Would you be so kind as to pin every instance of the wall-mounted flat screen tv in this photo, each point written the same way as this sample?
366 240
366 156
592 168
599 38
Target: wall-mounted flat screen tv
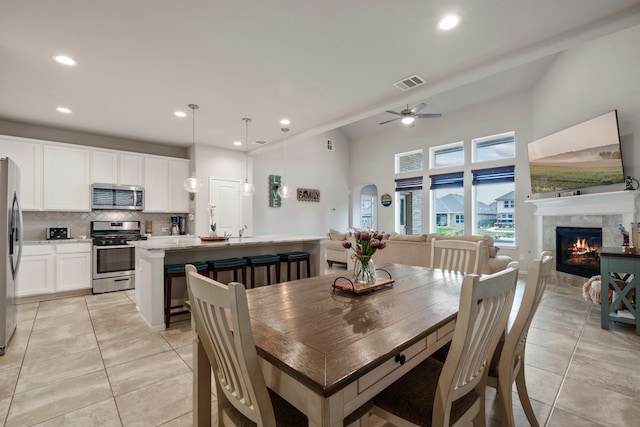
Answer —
585 155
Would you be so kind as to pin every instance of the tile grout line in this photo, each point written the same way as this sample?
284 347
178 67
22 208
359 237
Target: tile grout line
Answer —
564 376
24 355
104 367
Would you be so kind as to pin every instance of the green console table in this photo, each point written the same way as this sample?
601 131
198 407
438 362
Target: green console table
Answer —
620 273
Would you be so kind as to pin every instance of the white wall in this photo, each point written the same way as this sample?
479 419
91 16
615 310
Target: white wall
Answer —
210 161
309 165
589 81
506 114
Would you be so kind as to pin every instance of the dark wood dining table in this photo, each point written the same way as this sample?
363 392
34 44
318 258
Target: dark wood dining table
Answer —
328 352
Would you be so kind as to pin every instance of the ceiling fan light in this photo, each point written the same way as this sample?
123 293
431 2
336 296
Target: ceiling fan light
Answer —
407 120
247 188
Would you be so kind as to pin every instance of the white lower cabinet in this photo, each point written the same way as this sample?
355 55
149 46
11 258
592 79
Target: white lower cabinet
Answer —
73 266
55 267
36 273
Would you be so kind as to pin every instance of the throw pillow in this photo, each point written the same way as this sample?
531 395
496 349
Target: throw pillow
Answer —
337 235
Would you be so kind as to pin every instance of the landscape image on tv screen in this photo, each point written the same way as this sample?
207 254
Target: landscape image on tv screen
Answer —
584 155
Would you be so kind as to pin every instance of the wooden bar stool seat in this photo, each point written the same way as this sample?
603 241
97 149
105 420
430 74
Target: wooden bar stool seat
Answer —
172 271
229 264
297 257
263 261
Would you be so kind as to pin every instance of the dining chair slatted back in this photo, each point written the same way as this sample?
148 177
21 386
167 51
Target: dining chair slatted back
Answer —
508 360
484 311
455 255
453 393
222 323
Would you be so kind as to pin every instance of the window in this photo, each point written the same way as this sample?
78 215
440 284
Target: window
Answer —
494 147
409 213
447 203
409 162
367 207
494 206
444 156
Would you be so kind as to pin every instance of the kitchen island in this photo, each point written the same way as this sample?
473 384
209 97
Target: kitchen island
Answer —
153 254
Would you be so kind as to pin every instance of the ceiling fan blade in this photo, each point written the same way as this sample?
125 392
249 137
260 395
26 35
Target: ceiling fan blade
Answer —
418 107
429 116
392 120
393 112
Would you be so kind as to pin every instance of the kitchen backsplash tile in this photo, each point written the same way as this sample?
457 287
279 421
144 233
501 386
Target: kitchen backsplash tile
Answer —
35 223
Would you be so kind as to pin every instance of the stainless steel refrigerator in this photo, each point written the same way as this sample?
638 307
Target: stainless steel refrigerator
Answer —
10 247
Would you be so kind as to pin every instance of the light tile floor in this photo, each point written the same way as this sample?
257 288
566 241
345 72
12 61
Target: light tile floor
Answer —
91 360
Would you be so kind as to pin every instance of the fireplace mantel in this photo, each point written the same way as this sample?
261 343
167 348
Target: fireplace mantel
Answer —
614 202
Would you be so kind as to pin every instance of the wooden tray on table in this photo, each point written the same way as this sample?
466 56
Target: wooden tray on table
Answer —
350 286
214 239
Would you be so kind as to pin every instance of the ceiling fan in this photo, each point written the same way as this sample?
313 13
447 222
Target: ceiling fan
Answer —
408 116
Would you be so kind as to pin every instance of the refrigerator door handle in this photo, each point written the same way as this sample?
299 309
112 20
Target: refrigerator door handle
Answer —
16 208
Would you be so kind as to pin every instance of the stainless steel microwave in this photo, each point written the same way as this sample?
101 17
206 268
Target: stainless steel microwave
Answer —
124 197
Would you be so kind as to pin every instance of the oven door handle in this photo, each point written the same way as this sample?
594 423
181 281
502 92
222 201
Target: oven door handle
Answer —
126 279
99 247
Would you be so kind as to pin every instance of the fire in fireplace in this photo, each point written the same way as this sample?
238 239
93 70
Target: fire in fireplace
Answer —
577 250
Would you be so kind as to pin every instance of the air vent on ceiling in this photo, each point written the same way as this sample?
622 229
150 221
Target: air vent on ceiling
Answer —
260 142
410 82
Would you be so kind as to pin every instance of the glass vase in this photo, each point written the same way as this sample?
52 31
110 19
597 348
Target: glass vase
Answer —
364 271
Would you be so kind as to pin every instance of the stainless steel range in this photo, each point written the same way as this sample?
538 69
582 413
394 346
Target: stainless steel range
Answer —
113 259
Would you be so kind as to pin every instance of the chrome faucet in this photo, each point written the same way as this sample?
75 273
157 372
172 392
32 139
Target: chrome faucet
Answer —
241 231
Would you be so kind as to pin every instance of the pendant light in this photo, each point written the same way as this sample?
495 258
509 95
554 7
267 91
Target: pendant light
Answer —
247 188
284 191
193 184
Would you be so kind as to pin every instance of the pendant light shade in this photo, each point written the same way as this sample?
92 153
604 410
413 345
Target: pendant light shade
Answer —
193 184
247 188
284 191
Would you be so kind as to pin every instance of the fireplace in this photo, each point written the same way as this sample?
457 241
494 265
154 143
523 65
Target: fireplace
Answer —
577 250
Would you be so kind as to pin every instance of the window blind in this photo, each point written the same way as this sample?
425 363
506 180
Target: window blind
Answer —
493 175
447 180
409 184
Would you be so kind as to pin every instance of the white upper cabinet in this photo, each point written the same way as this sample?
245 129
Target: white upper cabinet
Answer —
178 196
28 157
156 184
104 167
163 185
111 167
67 179
130 169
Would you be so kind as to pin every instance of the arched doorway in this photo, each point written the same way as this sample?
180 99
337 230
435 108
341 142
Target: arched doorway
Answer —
368 217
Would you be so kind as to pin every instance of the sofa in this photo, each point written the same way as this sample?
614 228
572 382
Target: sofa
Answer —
412 250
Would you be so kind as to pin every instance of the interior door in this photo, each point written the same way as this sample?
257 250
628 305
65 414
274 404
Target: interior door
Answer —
224 194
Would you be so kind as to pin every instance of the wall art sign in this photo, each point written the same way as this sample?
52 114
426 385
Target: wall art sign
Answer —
274 199
308 195
385 199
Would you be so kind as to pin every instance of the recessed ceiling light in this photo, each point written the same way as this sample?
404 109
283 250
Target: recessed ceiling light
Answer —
64 110
237 143
65 60
180 114
448 22
285 121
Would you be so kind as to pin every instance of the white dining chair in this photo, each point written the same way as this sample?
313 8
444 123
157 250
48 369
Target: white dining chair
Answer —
453 393
222 324
455 255
507 364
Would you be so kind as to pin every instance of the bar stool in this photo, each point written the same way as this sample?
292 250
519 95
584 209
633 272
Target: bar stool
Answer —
172 271
296 257
229 264
263 261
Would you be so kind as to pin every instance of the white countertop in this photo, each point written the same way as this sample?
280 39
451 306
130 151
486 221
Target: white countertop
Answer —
191 242
56 241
